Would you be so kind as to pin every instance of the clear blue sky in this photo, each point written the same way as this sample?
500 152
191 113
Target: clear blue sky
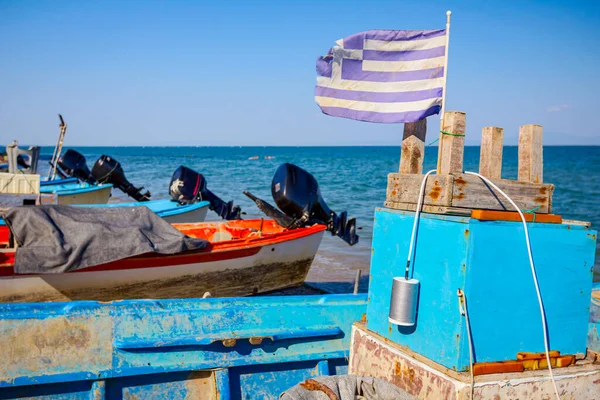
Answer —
243 72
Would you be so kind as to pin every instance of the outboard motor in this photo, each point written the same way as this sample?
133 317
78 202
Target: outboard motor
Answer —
108 170
73 164
187 187
296 193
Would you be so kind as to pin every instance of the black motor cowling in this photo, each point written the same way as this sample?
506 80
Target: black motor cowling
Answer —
187 187
108 170
296 193
73 164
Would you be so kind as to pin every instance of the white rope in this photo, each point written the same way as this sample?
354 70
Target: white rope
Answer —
533 274
416 220
463 300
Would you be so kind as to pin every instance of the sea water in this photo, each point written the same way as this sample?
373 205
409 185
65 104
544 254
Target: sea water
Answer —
350 178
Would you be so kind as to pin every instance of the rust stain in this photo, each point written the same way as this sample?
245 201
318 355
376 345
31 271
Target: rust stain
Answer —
467 232
416 160
394 193
592 236
541 200
435 193
312 385
460 181
363 318
460 196
397 368
543 190
256 340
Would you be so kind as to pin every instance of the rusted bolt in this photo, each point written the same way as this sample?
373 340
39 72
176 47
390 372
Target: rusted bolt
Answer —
256 340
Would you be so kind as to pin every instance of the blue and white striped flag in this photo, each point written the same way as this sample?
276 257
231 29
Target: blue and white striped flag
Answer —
383 76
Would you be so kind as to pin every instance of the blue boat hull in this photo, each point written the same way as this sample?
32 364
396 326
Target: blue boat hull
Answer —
169 210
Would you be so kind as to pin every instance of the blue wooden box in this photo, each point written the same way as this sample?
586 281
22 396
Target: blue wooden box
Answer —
488 260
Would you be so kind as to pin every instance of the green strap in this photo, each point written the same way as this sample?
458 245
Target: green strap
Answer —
532 211
452 134
446 133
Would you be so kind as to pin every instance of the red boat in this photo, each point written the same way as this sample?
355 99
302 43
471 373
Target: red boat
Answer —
243 258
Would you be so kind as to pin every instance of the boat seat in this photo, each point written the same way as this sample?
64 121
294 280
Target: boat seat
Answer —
221 236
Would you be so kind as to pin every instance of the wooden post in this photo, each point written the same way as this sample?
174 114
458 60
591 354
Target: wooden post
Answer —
413 147
452 143
490 156
531 157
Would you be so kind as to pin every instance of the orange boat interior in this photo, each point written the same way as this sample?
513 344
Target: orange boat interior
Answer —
243 233
231 230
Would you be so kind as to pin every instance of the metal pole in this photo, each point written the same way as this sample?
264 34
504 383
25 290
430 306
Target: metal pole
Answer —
443 109
57 148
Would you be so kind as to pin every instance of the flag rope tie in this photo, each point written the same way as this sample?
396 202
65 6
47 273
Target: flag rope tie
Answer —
532 211
446 133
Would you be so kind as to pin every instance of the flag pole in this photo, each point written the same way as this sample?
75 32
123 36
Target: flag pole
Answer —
441 141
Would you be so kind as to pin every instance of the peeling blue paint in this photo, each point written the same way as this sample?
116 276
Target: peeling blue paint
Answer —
148 348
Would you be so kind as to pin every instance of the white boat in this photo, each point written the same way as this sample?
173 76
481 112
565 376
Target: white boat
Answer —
243 258
77 193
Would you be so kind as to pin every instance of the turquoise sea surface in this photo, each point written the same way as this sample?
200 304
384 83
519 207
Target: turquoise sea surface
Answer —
350 178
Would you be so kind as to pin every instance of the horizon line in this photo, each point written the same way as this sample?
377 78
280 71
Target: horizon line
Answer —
293 146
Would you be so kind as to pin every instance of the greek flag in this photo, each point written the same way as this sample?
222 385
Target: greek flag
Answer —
383 76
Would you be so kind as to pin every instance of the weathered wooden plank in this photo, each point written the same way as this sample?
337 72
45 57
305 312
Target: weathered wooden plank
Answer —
413 147
577 223
490 156
463 191
452 143
428 209
404 188
531 156
470 191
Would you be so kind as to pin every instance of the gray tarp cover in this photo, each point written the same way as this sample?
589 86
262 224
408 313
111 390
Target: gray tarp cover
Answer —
56 239
349 387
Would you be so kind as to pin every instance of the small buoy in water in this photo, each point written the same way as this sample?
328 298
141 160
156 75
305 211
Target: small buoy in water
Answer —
253 158
403 302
